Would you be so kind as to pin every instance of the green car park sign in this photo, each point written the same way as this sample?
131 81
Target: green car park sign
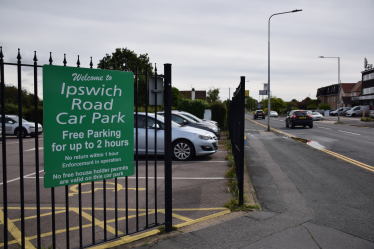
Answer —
88 125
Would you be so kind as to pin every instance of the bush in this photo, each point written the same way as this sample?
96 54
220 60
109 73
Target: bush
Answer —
196 107
219 114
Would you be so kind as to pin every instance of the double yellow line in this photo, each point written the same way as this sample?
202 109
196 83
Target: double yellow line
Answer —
344 158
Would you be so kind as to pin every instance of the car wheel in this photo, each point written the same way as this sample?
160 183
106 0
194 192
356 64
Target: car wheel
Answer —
354 115
311 126
24 133
292 125
287 125
304 126
183 150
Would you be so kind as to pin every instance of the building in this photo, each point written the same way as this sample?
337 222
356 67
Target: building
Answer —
367 97
330 94
193 94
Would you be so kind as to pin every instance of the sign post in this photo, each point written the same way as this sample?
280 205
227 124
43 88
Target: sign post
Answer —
88 125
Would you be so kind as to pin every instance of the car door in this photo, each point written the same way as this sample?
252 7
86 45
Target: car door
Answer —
151 135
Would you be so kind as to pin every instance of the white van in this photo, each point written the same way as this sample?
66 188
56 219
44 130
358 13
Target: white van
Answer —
340 111
358 111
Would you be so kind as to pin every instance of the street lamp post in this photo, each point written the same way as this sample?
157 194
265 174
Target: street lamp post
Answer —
340 86
269 61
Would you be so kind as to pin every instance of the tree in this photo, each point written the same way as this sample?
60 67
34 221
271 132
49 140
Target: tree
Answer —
174 96
250 103
125 59
324 106
292 105
276 104
213 95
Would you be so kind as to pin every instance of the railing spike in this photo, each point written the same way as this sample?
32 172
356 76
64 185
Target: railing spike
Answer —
50 58
35 58
1 53
103 64
78 62
91 64
65 60
19 55
115 66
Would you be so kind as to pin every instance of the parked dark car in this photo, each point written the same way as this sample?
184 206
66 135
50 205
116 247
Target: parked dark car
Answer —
259 114
299 118
184 120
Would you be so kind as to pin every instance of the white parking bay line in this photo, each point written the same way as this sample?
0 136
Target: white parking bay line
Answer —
40 148
324 128
26 176
351 133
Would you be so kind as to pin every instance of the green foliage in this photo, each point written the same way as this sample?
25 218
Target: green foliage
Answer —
367 119
134 63
196 107
276 104
219 114
324 106
11 104
251 103
213 95
174 96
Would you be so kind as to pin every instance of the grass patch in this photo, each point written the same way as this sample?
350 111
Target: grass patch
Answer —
233 202
341 122
367 119
161 229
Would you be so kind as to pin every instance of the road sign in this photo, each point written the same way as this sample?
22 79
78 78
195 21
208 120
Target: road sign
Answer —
88 124
246 94
153 91
263 92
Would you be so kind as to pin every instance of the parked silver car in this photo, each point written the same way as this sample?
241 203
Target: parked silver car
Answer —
193 117
28 128
187 142
317 116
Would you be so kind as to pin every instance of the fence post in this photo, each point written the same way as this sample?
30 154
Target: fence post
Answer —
168 150
241 140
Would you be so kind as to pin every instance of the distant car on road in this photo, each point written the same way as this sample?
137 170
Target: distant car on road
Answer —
317 116
341 111
371 114
273 114
299 117
187 142
259 114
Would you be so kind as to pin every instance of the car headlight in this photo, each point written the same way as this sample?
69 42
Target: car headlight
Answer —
205 137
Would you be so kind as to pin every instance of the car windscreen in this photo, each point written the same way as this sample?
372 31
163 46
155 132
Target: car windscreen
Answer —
192 117
259 112
315 113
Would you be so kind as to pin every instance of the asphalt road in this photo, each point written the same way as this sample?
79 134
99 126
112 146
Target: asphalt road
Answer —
309 199
351 141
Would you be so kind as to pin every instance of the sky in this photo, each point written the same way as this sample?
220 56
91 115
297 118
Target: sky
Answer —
209 43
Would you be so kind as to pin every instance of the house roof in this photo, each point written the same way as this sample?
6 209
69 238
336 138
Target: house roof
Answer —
357 87
346 87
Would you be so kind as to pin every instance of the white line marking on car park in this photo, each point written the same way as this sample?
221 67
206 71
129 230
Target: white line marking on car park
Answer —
25 141
247 147
324 128
40 148
350 133
26 176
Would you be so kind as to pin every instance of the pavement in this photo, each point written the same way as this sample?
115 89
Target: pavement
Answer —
291 215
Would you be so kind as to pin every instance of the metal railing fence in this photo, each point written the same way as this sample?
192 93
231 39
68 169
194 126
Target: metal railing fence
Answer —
236 131
57 231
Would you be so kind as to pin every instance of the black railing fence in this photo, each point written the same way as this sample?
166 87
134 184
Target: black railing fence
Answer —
80 215
236 130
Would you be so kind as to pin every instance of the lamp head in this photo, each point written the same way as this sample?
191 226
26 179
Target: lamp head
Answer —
296 10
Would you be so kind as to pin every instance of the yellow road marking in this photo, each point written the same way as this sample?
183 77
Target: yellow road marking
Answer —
350 160
128 239
178 216
357 163
75 190
98 222
15 232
